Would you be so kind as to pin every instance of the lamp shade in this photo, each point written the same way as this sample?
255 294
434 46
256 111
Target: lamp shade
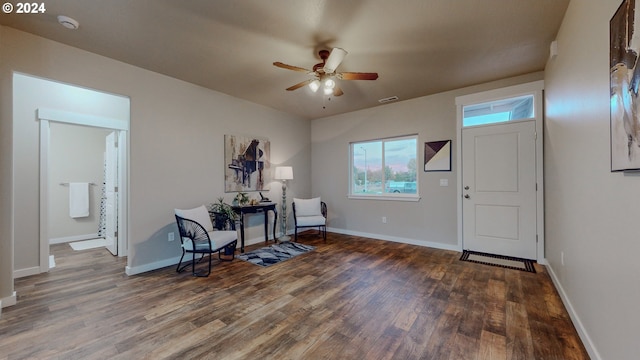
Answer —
284 173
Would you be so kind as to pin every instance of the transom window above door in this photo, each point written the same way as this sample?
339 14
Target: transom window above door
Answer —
510 109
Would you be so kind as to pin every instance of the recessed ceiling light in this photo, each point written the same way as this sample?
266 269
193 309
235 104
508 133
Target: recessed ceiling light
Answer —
68 22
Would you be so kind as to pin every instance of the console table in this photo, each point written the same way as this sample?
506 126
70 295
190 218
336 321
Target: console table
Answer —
256 209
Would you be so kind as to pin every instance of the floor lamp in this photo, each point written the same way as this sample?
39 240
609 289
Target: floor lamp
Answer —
284 173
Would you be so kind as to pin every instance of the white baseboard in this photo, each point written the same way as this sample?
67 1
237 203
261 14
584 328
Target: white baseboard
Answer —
134 270
582 332
8 301
67 239
26 272
260 239
430 244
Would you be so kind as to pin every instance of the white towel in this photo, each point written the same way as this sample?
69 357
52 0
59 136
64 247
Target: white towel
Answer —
78 200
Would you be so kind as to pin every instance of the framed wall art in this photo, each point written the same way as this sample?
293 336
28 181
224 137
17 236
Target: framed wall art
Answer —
246 163
437 155
624 82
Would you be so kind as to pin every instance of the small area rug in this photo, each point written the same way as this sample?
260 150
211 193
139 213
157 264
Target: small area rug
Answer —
498 260
88 244
276 253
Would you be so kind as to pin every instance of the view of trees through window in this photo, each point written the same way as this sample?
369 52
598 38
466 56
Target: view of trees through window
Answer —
386 166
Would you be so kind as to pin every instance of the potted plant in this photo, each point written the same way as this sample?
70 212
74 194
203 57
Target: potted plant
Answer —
242 198
223 215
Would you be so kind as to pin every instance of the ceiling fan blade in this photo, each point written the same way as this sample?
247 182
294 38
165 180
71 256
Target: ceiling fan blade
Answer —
299 85
337 91
335 58
357 76
291 67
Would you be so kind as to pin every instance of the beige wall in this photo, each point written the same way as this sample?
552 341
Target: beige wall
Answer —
430 222
6 179
76 154
591 213
176 141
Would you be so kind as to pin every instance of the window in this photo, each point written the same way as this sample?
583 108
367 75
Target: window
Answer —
385 168
515 108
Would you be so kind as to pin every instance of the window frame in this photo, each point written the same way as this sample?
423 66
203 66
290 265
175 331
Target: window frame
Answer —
383 195
480 104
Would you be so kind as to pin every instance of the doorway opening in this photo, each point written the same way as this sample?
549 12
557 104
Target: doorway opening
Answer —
38 104
114 181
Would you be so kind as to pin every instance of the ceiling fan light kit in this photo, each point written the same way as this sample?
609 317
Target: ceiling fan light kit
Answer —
324 73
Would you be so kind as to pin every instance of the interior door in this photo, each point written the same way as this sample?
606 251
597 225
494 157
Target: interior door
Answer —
499 189
111 192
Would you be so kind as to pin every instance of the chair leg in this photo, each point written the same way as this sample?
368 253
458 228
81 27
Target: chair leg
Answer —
295 237
180 262
193 265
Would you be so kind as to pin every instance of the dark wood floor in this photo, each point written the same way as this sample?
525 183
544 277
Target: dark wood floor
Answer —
351 298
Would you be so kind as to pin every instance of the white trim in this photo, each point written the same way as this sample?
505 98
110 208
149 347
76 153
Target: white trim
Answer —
498 94
413 198
8 301
582 331
430 244
82 119
68 239
123 193
129 270
45 134
19 273
45 115
536 88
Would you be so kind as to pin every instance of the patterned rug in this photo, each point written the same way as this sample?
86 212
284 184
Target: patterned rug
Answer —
498 260
276 253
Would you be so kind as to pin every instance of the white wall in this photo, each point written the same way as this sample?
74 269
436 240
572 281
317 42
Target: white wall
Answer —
430 222
591 214
76 154
6 179
176 142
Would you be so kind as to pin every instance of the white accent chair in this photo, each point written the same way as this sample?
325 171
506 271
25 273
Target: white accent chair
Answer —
198 236
310 213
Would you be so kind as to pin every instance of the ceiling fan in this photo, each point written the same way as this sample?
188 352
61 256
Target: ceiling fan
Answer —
324 73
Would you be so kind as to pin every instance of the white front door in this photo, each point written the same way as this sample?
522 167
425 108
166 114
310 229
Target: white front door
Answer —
111 192
499 189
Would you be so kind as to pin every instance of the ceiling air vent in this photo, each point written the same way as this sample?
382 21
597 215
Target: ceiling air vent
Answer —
389 99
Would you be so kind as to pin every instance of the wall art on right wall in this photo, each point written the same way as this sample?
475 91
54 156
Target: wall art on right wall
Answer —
624 83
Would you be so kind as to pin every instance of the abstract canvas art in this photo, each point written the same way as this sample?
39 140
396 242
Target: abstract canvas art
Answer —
624 86
437 155
246 161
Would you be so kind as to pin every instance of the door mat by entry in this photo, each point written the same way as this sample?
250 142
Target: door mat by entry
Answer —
498 260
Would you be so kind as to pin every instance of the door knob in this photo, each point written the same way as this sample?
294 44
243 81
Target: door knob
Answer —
466 196
466 187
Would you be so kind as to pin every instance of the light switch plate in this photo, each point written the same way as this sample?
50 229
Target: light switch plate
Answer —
444 182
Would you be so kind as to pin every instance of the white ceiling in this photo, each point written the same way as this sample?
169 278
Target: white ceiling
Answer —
418 47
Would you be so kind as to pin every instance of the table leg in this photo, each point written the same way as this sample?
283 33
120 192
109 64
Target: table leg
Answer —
241 232
266 227
275 223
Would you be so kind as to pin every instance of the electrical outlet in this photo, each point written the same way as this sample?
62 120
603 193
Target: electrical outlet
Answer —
171 236
562 258
384 219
